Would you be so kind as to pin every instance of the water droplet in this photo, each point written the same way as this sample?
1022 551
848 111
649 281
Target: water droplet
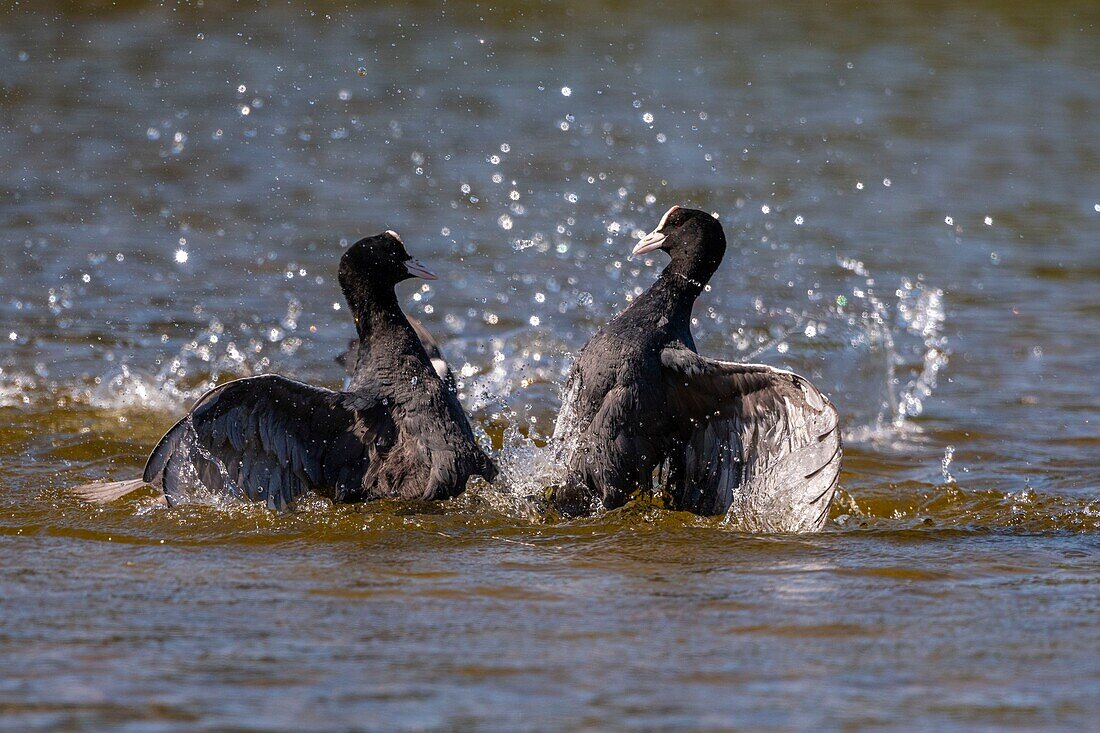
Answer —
948 221
945 464
566 91
181 256
361 71
647 118
505 222
989 221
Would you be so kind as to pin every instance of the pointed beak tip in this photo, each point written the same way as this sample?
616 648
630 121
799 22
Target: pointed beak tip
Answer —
418 270
649 243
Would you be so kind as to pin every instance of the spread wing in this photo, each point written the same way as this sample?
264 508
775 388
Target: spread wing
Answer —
272 439
761 441
435 353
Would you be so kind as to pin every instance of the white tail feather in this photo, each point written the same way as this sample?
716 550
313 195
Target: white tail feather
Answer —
104 492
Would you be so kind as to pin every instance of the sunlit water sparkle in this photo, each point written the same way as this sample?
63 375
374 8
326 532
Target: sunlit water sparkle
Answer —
912 221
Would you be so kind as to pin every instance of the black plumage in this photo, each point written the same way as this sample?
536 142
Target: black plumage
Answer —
639 398
348 358
397 431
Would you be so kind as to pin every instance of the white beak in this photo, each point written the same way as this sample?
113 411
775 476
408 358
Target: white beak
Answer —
418 270
654 239
649 243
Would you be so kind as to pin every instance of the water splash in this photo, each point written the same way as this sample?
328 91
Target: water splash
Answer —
213 356
945 464
889 349
15 388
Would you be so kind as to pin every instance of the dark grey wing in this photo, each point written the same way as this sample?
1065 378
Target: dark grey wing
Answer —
761 441
272 439
435 353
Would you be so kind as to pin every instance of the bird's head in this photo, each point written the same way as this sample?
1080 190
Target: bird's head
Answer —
693 239
379 261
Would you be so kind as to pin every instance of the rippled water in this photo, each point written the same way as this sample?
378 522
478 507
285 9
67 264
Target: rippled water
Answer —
910 193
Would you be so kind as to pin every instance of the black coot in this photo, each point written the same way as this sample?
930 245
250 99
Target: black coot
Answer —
397 431
752 437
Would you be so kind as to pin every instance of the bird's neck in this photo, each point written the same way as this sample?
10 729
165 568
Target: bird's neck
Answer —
377 313
672 296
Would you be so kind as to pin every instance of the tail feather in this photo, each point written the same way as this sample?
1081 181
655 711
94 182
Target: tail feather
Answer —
104 492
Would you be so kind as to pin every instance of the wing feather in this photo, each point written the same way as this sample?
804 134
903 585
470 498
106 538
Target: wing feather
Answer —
762 444
271 439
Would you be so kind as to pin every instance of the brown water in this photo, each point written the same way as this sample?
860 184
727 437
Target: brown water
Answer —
912 195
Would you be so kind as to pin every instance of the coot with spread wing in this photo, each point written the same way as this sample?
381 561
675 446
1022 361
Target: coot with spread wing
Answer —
761 441
397 431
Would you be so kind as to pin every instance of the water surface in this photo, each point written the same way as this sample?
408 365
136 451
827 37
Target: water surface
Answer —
910 191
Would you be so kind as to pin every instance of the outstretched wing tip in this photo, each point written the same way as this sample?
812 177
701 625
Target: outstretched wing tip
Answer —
783 431
268 439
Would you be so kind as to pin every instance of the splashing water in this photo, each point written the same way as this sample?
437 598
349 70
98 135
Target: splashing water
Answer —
945 464
892 353
211 357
